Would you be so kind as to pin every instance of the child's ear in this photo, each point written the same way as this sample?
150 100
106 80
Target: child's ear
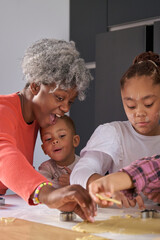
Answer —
34 87
42 146
76 140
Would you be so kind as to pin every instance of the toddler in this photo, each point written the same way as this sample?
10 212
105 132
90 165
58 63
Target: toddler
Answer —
59 142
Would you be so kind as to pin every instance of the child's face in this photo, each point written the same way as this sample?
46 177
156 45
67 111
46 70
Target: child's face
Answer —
141 101
59 142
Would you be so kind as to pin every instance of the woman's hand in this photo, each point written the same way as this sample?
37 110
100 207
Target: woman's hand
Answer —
70 198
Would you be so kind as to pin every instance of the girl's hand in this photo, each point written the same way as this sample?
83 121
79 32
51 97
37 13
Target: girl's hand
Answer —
154 196
109 185
101 187
125 202
70 198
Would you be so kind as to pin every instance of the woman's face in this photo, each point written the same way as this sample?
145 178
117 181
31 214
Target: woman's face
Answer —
50 102
141 101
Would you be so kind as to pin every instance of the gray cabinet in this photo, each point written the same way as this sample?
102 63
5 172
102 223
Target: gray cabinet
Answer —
87 18
125 11
83 114
114 54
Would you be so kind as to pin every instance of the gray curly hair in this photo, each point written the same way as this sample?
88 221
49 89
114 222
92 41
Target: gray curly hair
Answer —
50 61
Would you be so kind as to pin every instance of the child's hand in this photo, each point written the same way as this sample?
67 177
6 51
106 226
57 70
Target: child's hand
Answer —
64 179
140 202
99 187
125 202
110 184
154 196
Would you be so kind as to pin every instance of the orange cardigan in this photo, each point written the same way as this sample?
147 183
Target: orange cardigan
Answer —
17 142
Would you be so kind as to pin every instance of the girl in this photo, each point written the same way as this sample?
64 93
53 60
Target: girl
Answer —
141 176
117 144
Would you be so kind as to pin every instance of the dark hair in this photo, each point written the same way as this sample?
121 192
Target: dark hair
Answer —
148 64
69 123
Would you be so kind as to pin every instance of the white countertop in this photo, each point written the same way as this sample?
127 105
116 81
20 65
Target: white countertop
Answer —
18 208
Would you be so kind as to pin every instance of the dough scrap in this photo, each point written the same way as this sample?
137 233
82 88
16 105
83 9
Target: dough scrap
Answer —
123 225
7 220
92 237
108 199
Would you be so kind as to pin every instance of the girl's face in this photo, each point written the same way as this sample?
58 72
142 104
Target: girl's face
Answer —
141 101
49 102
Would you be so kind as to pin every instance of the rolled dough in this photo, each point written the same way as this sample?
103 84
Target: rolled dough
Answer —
123 225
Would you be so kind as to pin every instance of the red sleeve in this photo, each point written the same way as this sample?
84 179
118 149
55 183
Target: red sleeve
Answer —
16 172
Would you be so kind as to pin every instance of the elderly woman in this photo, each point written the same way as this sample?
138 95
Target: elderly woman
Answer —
55 75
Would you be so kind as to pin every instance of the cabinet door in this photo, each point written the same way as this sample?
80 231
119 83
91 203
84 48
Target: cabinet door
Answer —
115 52
87 18
124 11
156 37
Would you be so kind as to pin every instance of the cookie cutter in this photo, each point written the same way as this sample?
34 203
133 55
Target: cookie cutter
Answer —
67 216
150 213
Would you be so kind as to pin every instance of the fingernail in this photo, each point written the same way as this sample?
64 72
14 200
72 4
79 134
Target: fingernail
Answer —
91 219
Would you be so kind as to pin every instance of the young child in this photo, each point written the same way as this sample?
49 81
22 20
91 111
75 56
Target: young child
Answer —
59 142
117 144
141 176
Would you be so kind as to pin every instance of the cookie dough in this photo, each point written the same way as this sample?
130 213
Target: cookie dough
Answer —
7 220
123 225
92 237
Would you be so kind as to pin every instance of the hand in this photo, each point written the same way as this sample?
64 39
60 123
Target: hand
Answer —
70 198
64 179
126 202
154 196
140 202
98 185
112 184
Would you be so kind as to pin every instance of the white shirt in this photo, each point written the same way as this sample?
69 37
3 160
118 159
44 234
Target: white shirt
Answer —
112 146
52 171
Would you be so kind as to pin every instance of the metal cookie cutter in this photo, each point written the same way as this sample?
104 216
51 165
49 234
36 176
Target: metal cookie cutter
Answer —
67 216
150 213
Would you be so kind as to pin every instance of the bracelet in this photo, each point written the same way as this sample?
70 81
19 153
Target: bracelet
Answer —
36 193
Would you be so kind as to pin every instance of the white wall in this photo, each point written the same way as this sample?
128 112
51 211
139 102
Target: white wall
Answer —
21 23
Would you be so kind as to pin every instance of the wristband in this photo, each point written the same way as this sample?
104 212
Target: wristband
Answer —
36 193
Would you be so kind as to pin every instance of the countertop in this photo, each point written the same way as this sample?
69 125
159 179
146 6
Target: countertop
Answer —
18 208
